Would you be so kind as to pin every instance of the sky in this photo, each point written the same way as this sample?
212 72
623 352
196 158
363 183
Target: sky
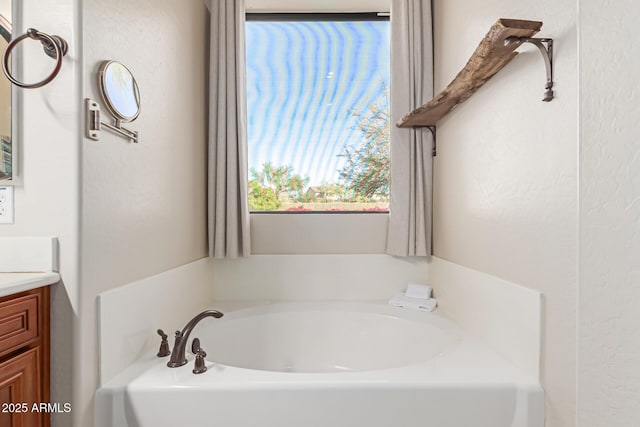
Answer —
304 82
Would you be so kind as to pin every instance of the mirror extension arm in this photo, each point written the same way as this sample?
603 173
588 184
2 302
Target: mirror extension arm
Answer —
94 124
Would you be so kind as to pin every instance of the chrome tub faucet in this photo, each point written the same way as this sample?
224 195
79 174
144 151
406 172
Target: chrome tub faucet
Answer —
177 355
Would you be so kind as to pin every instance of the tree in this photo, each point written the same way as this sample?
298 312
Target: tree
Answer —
262 198
367 171
272 184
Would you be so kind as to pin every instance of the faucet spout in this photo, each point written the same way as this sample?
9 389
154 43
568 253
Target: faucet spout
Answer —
182 337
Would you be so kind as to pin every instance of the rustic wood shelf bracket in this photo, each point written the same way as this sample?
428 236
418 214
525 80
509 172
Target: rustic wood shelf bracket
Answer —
494 52
546 49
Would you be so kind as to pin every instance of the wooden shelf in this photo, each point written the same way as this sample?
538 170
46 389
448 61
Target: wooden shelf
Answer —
489 58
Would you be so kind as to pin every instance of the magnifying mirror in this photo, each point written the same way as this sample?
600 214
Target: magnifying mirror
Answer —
119 91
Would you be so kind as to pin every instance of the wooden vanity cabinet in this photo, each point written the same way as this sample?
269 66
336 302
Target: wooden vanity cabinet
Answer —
24 358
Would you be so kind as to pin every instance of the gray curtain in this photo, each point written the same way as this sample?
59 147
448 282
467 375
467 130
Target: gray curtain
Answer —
410 219
228 211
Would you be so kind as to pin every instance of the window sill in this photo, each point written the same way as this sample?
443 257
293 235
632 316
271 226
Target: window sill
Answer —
318 233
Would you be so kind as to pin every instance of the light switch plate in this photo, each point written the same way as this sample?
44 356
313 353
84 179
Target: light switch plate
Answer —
6 205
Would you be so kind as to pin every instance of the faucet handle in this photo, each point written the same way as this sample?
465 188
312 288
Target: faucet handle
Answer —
200 367
195 345
164 344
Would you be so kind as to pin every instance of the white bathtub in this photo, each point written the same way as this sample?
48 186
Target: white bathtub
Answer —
326 364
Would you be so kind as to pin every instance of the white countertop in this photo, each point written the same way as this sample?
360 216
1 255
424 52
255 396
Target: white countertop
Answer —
12 283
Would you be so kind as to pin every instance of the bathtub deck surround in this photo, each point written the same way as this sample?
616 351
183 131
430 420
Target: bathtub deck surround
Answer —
315 363
504 315
316 277
323 338
120 343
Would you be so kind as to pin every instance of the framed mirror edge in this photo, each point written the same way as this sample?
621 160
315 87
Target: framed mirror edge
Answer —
17 108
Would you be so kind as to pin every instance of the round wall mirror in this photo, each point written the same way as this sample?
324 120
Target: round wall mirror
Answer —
119 91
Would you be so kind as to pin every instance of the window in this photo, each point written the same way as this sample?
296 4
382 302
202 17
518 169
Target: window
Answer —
318 112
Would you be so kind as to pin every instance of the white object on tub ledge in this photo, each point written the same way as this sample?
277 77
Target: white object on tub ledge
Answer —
417 297
415 290
401 300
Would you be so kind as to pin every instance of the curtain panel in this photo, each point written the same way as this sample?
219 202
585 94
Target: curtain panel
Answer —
410 219
228 210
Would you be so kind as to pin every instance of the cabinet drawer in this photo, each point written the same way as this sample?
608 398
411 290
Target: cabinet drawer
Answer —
20 384
18 322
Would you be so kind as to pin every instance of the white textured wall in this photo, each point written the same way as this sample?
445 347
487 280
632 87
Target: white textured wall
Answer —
609 294
505 186
5 8
143 205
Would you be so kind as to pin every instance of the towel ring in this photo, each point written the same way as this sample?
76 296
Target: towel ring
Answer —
54 46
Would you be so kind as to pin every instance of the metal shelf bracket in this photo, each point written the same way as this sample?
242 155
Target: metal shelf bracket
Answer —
546 49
